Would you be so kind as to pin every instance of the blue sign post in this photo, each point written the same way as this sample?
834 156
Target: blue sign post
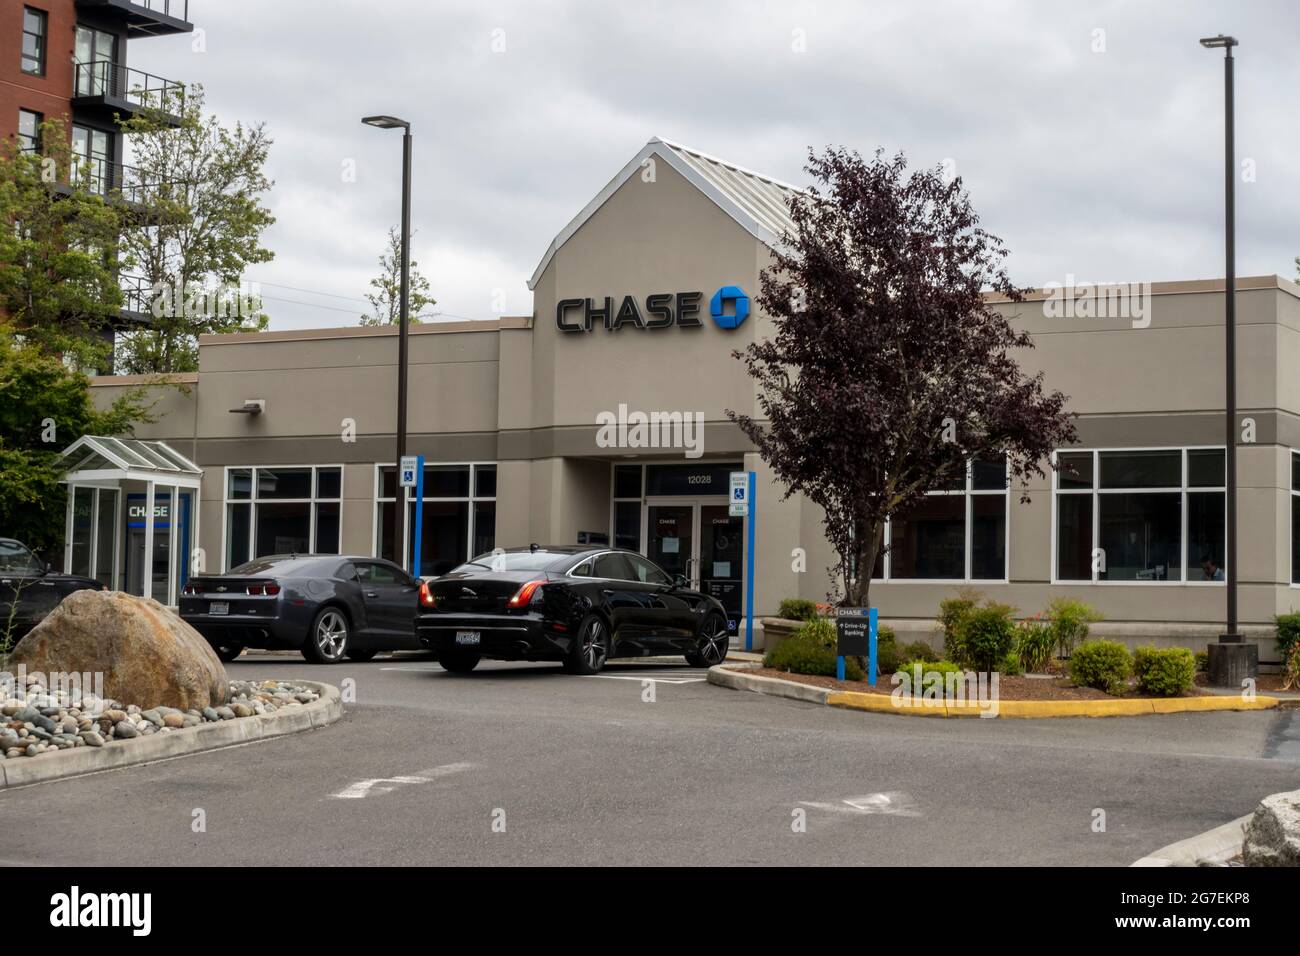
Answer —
749 568
419 511
852 641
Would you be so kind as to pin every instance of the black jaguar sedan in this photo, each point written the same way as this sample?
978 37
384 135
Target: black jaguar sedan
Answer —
579 606
329 606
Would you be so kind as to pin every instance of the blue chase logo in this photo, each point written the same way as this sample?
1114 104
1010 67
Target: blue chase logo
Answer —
733 296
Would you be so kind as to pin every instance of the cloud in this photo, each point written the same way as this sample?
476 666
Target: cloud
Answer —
1102 164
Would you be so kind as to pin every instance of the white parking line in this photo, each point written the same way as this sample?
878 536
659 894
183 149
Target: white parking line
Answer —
893 803
646 677
381 785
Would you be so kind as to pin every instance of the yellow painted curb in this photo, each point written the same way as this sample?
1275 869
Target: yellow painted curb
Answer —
884 704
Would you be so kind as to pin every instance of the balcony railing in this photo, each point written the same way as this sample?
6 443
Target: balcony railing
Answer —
180 9
137 296
103 177
126 88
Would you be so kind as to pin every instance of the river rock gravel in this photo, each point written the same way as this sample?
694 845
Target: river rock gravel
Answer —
34 720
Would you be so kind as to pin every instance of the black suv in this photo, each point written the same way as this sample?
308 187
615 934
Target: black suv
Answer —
30 589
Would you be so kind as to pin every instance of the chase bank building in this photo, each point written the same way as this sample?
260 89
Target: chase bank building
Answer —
602 418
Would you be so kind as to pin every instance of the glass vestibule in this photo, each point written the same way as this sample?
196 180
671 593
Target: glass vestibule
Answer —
131 514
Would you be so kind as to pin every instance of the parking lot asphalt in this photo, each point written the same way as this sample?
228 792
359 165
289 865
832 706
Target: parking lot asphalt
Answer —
647 764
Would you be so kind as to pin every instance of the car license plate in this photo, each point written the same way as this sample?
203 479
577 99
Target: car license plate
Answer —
219 607
467 637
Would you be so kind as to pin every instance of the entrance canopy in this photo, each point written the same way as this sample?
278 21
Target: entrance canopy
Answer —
92 458
132 514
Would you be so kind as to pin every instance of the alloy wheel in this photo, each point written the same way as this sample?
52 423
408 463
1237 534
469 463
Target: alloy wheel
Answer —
595 647
331 635
713 649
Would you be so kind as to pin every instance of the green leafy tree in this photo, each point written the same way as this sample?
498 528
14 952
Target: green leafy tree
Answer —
386 300
201 184
44 407
58 251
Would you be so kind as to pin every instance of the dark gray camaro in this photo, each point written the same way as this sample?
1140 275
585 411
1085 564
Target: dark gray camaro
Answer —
329 606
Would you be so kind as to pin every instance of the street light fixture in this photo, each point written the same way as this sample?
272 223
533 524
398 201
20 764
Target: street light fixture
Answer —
1231 659
403 363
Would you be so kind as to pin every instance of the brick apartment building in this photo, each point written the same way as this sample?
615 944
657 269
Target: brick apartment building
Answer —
68 60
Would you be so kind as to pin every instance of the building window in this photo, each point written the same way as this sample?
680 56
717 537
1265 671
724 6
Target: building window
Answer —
93 151
29 131
627 506
458 520
34 28
958 533
1140 515
96 56
282 510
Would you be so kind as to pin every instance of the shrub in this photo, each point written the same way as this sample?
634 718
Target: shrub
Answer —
811 650
1202 661
1035 641
1011 666
988 633
1105 665
1292 669
797 609
918 651
1070 619
1166 672
917 679
1288 633
952 620
888 655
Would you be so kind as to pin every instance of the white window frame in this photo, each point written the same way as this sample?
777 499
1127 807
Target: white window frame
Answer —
409 497
969 493
253 501
1097 491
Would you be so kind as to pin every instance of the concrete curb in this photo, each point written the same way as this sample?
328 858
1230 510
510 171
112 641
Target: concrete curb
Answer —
55 765
732 676
1213 846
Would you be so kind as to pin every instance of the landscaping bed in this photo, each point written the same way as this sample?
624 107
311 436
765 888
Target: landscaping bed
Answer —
1009 688
35 721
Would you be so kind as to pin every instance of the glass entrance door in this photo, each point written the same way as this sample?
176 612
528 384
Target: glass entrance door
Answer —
722 554
670 537
701 541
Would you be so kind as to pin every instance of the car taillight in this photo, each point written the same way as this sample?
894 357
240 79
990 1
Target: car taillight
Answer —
268 589
189 589
427 597
525 594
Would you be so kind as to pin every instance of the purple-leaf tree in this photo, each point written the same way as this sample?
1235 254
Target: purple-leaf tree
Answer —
888 370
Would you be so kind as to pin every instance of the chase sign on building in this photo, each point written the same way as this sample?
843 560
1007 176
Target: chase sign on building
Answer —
729 308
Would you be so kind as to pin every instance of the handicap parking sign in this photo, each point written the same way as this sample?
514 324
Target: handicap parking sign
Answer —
407 471
739 494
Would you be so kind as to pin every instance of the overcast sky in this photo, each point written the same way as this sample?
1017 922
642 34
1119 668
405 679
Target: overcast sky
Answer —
1089 134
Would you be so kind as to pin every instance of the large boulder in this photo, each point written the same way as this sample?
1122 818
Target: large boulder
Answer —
147 654
1273 833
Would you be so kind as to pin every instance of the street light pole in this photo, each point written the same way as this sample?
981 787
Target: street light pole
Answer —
1231 659
403 343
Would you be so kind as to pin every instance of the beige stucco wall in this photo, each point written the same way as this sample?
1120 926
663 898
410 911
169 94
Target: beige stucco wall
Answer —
525 395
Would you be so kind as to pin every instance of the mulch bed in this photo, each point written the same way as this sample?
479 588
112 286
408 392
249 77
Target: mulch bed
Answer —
1009 688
